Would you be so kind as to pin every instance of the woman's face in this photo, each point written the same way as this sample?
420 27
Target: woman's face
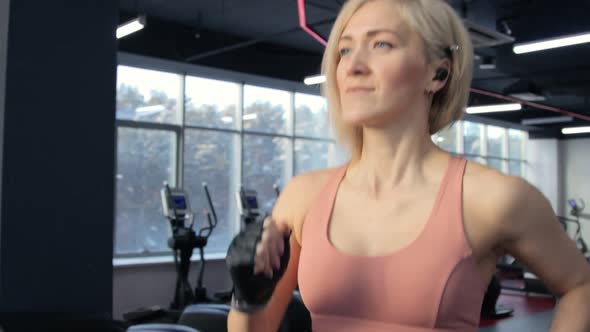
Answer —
382 72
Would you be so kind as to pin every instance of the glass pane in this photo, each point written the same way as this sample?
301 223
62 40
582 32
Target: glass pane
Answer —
211 103
148 95
264 165
311 155
145 159
472 137
311 116
446 139
495 140
211 157
479 160
515 168
266 110
496 163
515 139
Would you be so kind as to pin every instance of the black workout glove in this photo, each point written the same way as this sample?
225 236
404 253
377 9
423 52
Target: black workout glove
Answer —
251 292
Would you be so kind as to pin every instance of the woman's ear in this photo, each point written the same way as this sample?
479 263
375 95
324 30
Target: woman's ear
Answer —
442 72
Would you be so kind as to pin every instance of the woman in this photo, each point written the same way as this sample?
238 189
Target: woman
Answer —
404 237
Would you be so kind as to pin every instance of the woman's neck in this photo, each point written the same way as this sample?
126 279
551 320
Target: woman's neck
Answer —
393 158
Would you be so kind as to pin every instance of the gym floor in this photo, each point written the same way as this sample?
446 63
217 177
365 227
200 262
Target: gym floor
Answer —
531 313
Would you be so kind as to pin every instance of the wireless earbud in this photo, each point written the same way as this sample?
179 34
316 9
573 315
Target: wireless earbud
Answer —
441 74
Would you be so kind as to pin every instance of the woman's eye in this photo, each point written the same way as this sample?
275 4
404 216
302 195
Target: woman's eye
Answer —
382 44
344 51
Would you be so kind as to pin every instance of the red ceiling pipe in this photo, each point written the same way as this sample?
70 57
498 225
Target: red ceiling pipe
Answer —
303 23
531 104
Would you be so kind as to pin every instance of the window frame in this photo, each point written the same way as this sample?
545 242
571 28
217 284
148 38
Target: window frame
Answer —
142 62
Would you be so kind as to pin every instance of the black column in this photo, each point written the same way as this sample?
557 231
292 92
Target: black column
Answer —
58 157
4 5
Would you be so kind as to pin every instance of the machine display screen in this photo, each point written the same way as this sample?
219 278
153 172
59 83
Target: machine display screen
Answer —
251 202
179 202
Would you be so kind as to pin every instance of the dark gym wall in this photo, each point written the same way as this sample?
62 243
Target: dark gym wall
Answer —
58 158
4 5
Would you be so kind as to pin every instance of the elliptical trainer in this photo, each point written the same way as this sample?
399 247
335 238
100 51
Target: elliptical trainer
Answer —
247 203
176 208
248 207
576 209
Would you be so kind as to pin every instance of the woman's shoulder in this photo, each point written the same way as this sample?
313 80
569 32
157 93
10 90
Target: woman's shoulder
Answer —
489 182
298 196
313 180
492 196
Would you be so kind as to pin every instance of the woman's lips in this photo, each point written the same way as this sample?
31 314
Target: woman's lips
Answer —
359 89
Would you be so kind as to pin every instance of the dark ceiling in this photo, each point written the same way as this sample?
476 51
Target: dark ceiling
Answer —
263 37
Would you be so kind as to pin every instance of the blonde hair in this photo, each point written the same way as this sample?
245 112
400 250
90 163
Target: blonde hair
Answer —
440 28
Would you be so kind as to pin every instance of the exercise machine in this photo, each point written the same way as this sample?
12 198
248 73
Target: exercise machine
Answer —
248 207
176 208
189 308
490 308
576 211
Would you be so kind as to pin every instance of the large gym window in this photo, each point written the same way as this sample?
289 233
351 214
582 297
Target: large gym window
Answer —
447 139
310 155
497 147
187 130
211 103
472 135
311 116
267 110
148 95
212 157
145 159
266 162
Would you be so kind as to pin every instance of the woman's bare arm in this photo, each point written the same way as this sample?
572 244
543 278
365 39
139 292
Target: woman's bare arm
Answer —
290 208
532 234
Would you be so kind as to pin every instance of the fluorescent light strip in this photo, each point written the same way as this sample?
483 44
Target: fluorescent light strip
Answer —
311 80
528 96
553 119
494 108
130 27
487 66
575 130
552 43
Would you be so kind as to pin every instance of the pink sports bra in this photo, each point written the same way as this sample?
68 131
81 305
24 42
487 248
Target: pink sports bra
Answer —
431 285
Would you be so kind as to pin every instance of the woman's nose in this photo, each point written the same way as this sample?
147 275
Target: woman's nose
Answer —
358 63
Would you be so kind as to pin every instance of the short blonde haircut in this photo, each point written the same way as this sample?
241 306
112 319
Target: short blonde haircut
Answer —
439 28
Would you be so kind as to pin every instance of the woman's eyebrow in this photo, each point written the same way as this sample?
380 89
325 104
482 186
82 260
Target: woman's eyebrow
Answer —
372 33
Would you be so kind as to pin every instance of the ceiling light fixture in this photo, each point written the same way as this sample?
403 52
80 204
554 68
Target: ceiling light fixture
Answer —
487 63
487 66
547 120
494 108
575 130
552 43
317 79
130 27
528 96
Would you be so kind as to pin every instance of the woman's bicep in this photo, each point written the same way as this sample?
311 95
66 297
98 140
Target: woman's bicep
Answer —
275 310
